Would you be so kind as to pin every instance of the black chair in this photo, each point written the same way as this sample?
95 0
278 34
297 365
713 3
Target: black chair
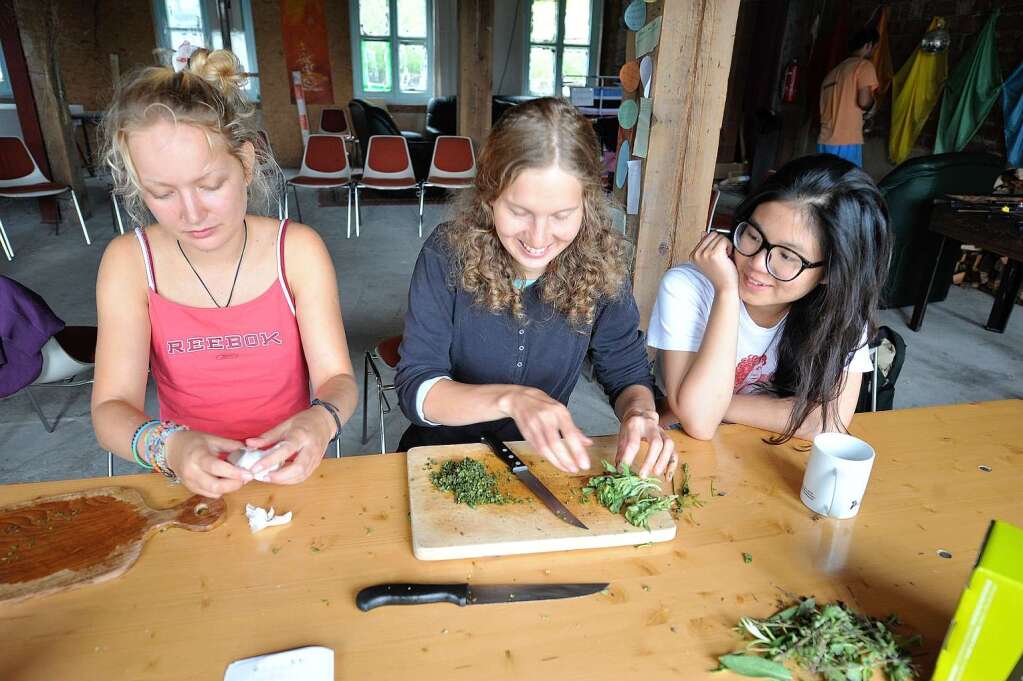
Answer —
909 191
888 354
369 120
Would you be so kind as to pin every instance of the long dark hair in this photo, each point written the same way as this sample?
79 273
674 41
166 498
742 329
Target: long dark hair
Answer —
843 205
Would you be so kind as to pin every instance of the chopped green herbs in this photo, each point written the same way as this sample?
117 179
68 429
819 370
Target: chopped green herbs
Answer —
747 558
686 498
622 491
834 641
470 482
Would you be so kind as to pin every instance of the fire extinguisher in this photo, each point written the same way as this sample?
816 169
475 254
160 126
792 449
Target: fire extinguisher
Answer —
790 82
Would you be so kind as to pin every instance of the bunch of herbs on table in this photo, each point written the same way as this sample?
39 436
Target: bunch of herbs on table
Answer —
833 641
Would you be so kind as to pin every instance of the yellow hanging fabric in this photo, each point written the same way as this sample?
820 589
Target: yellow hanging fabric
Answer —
916 89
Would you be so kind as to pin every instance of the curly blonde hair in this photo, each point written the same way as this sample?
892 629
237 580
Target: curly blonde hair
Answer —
539 134
206 94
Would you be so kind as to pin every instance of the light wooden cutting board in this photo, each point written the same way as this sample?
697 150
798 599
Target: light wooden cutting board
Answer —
443 530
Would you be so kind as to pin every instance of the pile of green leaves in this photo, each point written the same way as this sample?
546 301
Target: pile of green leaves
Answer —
834 641
470 482
622 491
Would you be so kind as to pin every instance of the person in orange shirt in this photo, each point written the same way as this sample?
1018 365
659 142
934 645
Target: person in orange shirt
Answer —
847 95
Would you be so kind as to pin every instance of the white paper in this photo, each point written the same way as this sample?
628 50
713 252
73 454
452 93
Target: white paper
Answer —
260 518
247 458
312 663
635 177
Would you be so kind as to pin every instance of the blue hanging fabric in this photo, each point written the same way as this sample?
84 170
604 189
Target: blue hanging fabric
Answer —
1012 108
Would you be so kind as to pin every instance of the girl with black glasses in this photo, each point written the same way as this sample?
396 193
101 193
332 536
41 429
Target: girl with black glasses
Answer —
769 327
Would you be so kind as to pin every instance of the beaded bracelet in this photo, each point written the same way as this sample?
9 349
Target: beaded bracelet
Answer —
135 442
156 445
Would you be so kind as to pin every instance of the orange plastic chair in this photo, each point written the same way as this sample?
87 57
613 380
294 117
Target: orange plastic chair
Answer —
324 166
453 166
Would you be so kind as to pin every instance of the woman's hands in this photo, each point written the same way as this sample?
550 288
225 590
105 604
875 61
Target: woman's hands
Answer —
303 439
548 427
195 458
638 426
713 256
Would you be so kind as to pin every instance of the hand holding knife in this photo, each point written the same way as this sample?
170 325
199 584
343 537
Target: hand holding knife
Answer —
526 477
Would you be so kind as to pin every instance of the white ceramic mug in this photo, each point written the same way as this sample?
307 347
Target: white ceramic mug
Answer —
836 475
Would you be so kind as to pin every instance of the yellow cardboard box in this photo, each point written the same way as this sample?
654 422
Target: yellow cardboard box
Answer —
985 640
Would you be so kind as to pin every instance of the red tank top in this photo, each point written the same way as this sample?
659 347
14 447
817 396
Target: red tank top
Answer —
236 371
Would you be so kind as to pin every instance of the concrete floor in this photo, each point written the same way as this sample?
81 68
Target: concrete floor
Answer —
952 360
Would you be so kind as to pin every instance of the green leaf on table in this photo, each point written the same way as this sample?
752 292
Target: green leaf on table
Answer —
755 667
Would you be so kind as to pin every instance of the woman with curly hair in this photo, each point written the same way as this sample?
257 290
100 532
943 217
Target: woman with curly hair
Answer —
508 299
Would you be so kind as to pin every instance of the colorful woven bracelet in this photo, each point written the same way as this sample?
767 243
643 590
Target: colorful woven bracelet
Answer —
157 446
135 442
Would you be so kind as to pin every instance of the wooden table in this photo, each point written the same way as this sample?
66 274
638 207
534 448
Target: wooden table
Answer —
195 602
991 233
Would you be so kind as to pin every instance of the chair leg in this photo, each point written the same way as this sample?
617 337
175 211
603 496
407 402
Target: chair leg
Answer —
39 411
298 208
422 197
110 464
380 408
358 212
349 211
365 396
81 220
285 192
5 243
117 214
280 209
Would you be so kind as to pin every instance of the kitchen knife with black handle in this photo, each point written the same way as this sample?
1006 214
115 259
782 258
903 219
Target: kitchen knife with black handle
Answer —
526 477
469 594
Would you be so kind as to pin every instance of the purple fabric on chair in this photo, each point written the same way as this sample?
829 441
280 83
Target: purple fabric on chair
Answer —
26 323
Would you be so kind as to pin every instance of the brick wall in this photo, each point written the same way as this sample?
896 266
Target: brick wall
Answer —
907 22
88 32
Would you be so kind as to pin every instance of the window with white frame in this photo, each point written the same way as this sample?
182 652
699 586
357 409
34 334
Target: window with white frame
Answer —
392 49
563 37
197 22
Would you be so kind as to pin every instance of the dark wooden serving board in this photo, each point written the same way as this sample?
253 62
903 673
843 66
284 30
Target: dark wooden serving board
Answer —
56 543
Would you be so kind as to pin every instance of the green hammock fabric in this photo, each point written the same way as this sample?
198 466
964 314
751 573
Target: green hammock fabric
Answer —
970 92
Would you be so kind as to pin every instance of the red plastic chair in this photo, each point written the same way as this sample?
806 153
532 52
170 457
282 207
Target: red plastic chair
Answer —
335 122
388 168
387 352
324 166
20 178
453 167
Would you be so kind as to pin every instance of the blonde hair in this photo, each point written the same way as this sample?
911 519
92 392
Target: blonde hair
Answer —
538 134
206 94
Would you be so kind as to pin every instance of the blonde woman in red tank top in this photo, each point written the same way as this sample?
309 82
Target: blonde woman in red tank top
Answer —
235 314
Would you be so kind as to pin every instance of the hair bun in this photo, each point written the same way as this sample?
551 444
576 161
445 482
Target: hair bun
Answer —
220 68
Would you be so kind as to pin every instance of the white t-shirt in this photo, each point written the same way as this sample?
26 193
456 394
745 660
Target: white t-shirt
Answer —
679 320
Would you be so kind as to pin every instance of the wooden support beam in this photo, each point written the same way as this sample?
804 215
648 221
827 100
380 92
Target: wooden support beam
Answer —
475 49
38 27
689 86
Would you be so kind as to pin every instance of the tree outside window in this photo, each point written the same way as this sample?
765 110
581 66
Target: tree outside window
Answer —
561 39
392 44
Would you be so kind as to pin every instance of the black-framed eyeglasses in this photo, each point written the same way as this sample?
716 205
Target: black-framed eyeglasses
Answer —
783 263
